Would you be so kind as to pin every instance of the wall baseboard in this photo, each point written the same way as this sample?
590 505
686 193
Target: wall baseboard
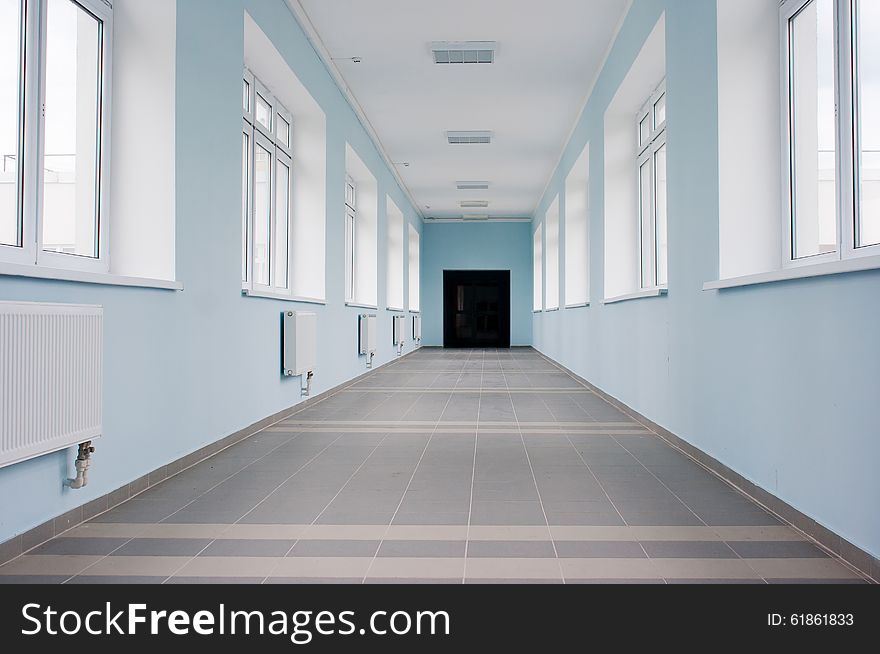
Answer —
855 556
28 540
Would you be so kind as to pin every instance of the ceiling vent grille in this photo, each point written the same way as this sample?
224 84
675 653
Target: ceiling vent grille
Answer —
469 137
472 186
463 52
474 204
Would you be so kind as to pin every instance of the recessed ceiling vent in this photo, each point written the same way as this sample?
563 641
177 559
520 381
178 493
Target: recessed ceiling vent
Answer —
463 52
474 204
469 137
475 216
472 186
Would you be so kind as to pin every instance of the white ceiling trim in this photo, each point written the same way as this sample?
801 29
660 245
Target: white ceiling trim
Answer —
299 13
586 101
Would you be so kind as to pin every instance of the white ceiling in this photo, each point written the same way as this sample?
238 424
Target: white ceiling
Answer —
548 55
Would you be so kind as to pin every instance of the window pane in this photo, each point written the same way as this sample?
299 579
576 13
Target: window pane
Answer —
660 111
72 132
10 66
245 201
868 232
660 212
262 213
349 256
282 223
645 131
246 100
264 113
647 225
283 132
814 155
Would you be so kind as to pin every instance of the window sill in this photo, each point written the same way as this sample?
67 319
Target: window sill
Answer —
579 305
651 292
269 295
395 309
549 309
358 305
801 272
85 277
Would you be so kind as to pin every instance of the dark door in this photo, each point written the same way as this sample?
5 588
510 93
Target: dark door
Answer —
476 308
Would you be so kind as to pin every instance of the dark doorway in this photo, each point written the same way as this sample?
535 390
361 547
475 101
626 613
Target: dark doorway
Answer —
476 308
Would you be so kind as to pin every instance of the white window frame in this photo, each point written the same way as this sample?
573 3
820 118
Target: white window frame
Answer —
350 243
846 137
32 91
282 153
647 153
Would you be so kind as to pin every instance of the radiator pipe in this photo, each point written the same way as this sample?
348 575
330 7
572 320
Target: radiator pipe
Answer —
308 389
82 463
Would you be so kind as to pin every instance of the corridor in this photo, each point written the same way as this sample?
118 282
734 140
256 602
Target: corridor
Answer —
475 466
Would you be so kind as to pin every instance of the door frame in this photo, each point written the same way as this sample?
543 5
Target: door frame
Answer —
453 277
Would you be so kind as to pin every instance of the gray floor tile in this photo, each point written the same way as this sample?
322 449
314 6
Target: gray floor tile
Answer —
688 550
33 579
248 547
599 550
542 549
507 513
81 545
349 548
162 547
115 579
314 580
215 580
777 550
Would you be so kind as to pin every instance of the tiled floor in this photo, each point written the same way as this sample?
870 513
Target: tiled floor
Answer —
445 467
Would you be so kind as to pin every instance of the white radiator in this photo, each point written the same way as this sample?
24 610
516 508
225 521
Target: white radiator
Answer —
51 377
300 351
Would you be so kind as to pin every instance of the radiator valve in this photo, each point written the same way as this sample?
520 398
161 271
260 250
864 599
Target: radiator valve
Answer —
82 463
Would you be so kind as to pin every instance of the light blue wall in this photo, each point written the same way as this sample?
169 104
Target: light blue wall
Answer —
780 382
184 369
477 246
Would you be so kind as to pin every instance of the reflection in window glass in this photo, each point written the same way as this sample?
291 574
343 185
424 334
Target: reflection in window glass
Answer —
814 229
262 213
283 132
245 195
282 216
645 130
660 111
647 226
72 130
868 76
349 255
264 113
660 212
10 82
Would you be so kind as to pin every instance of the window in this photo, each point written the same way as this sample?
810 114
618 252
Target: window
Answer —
54 121
350 231
551 232
266 191
538 270
651 129
831 140
414 270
